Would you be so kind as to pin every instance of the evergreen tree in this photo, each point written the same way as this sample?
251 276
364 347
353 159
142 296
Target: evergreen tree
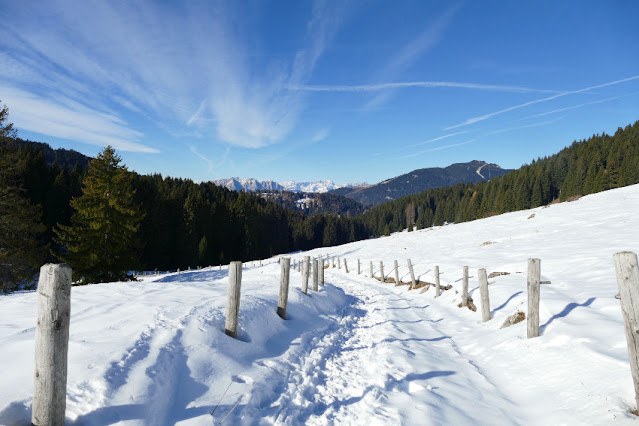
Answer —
100 243
20 221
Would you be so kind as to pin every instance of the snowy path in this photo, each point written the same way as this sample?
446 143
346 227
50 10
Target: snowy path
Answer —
385 361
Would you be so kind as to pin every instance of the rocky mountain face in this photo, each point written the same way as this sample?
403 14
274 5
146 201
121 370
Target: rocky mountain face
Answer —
251 184
421 180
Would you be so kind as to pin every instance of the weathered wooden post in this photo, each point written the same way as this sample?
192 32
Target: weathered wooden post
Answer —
333 261
382 278
285 268
322 271
465 287
233 307
534 277
52 345
437 286
483 292
628 282
396 274
305 272
339 263
358 267
345 266
413 283
372 269
315 274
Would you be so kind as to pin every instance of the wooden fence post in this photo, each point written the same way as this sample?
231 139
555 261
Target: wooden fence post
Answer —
333 261
534 277
372 269
483 291
358 267
315 274
396 274
628 283
413 283
305 272
51 345
437 285
345 266
233 307
381 272
339 263
322 271
465 287
285 268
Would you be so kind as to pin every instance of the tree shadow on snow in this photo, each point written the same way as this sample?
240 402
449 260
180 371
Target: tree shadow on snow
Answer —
169 396
193 276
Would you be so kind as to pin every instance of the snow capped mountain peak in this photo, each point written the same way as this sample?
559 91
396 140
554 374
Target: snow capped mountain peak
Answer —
251 184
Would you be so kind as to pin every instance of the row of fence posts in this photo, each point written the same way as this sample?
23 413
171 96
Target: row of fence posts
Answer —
54 311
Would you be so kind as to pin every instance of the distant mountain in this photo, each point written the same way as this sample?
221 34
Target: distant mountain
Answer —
318 187
250 185
421 180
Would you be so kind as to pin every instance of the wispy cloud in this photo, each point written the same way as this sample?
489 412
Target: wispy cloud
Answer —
411 52
439 148
525 104
421 84
321 135
437 139
510 129
578 106
61 119
174 64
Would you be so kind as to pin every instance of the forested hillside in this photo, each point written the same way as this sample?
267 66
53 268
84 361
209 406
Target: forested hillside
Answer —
421 180
183 223
599 163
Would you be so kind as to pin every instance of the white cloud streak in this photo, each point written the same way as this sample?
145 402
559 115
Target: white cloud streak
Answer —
578 106
525 104
411 52
419 84
437 139
510 129
320 135
439 148
157 61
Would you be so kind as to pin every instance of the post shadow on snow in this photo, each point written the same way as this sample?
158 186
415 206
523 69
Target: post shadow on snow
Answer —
568 309
503 305
395 339
171 381
18 413
194 276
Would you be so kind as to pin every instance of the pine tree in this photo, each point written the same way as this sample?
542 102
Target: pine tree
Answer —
20 221
100 243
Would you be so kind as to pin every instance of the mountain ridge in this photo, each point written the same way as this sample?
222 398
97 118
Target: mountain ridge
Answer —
422 179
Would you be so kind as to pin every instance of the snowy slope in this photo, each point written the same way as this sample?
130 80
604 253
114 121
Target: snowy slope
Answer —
359 351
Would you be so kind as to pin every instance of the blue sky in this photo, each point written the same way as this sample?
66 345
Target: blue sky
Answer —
308 90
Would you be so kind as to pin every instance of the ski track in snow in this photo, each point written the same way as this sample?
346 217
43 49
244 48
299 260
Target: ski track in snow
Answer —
479 170
358 351
356 371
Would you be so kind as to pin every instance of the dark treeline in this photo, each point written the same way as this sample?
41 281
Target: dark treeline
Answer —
602 162
183 223
314 203
188 224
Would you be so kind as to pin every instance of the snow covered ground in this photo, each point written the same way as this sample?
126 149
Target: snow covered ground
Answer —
358 351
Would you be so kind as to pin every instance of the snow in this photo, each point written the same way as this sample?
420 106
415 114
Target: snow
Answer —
479 170
358 351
